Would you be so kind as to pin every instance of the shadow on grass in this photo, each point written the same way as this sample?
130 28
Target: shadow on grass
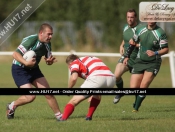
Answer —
132 118
166 110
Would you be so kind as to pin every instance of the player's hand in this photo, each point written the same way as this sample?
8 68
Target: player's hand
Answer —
131 41
150 53
125 61
50 60
30 63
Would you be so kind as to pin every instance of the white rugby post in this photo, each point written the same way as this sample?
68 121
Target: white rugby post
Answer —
172 67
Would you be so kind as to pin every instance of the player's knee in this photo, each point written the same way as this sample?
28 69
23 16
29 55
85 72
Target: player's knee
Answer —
117 78
49 96
144 85
31 98
74 101
98 97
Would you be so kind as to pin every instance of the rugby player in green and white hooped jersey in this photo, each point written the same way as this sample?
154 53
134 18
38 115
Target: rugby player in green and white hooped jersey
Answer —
153 44
27 73
128 32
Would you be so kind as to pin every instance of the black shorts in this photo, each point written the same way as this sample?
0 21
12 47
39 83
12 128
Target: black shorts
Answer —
23 76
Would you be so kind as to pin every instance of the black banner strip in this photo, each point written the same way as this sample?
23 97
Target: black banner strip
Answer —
86 91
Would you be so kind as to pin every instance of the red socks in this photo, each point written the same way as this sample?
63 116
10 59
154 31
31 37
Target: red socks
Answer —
68 110
93 105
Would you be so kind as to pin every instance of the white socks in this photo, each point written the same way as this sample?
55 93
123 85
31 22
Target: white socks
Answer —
11 106
58 115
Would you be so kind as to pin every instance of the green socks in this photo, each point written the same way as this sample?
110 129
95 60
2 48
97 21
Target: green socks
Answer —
138 101
119 84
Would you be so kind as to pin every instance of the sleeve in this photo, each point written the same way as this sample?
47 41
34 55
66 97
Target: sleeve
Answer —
163 41
25 45
49 50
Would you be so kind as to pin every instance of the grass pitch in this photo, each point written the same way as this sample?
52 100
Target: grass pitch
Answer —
57 74
155 115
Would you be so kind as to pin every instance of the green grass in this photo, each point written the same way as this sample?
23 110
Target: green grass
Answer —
57 74
155 115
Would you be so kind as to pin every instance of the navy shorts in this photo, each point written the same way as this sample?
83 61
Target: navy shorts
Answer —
23 76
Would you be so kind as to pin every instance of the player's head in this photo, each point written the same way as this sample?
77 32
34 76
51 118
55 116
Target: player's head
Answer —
131 16
71 58
45 33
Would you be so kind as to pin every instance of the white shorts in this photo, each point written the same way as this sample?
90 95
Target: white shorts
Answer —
99 82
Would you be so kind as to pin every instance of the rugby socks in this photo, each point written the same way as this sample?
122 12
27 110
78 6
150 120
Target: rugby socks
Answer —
119 84
68 110
12 106
93 105
135 101
139 100
58 115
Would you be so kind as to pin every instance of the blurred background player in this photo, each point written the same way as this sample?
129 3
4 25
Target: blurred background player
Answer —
128 32
27 73
96 75
153 44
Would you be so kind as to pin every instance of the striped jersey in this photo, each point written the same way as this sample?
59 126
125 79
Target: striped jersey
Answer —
89 66
32 43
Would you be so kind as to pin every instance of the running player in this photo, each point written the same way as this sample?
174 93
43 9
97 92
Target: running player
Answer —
27 73
128 32
153 44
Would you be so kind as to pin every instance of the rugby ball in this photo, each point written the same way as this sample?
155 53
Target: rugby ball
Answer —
29 55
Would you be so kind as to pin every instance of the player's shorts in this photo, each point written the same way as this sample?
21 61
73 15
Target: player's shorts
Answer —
99 82
140 68
130 63
23 76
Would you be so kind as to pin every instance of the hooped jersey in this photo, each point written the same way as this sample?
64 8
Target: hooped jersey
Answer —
89 66
154 40
32 43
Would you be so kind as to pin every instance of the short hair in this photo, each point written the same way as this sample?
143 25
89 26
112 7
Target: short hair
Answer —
132 10
44 26
71 58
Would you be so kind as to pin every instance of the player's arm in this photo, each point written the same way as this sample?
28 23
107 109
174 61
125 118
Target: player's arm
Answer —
49 58
131 47
73 79
21 50
163 49
132 44
122 48
17 56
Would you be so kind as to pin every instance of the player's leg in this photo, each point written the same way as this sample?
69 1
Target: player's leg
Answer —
94 82
136 80
95 101
51 100
21 77
146 81
135 83
22 100
109 83
119 70
70 106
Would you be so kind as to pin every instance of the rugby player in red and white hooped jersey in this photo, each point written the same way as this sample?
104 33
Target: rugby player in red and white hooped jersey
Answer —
96 75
